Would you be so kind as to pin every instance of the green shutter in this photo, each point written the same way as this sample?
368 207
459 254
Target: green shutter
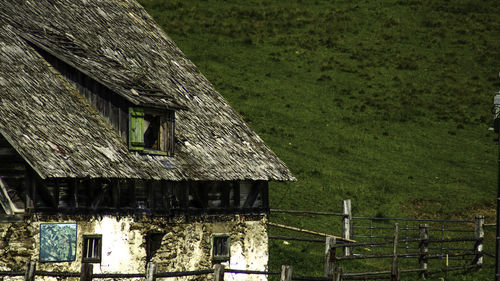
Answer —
136 128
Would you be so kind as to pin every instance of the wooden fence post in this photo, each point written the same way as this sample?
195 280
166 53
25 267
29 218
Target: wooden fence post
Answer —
30 271
338 274
86 272
347 224
151 271
286 273
219 272
424 249
479 235
330 256
395 269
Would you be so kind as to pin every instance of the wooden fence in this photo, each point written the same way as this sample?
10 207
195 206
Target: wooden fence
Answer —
432 246
151 274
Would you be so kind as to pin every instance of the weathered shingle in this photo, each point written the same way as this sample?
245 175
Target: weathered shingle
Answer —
118 44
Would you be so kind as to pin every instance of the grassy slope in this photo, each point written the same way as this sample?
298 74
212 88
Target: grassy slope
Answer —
384 102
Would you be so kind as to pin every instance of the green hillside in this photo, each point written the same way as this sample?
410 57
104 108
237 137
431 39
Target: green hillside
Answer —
384 102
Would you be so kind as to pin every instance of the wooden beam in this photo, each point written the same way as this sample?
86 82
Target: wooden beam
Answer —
151 271
424 250
395 267
30 271
309 231
86 272
329 268
479 235
75 183
115 193
264 193
219 272
6 202
286 273
29 185
347 224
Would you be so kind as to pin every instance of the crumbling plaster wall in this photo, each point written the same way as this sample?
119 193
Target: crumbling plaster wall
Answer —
184 246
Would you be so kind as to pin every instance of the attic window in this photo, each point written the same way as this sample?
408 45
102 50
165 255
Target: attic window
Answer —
151 131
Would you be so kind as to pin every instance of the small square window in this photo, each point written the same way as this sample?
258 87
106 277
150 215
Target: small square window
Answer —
221 247
92 248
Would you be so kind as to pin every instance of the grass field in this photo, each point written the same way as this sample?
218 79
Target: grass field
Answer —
383 102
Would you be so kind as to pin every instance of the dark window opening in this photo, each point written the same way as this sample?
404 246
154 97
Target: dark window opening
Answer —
126 194
197 196
152 132
141 192
153 244
221 247
91 252
215 195
94 194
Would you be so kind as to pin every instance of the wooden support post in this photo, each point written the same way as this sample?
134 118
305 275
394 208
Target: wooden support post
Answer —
151 271
30 271
424 249
395 269
86 272
479 235
347 224
338 274
219 272
286 273
330 256
28 183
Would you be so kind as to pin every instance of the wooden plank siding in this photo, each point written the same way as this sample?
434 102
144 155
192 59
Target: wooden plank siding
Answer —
109 104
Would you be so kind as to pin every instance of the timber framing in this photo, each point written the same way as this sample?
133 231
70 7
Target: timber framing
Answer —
136 197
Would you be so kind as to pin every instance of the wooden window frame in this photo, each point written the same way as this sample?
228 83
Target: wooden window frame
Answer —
97 249
221 257
165 135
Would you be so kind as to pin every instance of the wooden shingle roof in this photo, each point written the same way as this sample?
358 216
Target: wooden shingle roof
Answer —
118 44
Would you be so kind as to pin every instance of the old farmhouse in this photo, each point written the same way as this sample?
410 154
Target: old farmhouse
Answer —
115 150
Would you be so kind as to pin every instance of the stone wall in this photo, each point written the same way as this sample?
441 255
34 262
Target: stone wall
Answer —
184 246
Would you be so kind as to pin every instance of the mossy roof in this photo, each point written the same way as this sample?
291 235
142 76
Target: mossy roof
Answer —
118 44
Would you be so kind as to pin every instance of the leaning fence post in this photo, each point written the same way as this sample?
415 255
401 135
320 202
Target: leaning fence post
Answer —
219 272
329 256
30 271
479 235
286 273
86 273
347 224
395 269
151 271
424 249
